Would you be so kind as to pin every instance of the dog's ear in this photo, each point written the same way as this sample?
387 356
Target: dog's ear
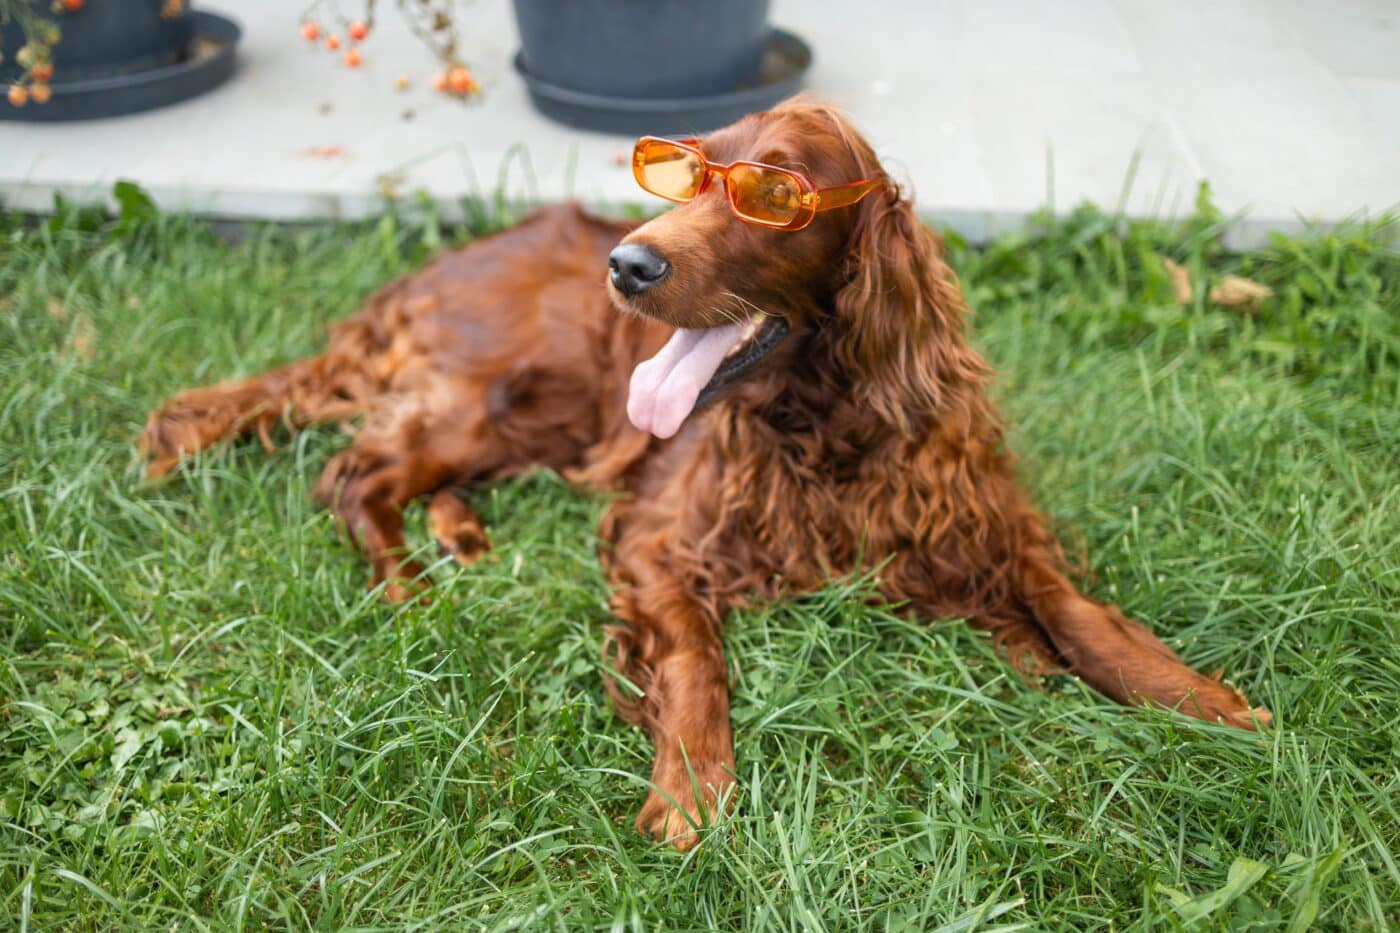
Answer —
900 317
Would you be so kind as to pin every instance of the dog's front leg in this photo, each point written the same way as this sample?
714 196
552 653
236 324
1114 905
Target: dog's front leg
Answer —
669 649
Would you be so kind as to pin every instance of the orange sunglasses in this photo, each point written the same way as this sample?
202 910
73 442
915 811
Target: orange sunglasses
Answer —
758 194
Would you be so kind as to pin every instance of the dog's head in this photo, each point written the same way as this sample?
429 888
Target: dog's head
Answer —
863 275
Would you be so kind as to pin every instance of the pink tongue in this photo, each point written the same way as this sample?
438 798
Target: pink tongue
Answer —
665 387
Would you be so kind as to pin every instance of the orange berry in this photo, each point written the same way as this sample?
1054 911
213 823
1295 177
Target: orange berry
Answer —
332 42
40 93
73 5
352 58
310 32
18 95
440 81
358 30
42 73
459 81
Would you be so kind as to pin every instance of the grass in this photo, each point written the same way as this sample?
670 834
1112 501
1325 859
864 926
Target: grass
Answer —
206 720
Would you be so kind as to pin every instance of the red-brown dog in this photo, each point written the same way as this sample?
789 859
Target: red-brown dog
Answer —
803 402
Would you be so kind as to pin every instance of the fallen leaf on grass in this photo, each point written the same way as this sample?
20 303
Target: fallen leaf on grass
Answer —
82 341
390 185
1181 281
55 310
1239 293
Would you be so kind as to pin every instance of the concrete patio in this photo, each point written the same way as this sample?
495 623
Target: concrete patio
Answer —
992 109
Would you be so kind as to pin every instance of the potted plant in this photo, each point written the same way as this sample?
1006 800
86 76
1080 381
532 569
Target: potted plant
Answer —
654 65
615 65
96 58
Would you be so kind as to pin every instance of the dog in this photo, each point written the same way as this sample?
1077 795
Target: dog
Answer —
777 402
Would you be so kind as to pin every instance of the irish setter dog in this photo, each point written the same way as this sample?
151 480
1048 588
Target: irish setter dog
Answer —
774 408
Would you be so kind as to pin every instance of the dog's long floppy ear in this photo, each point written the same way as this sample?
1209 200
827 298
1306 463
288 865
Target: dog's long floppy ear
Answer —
900 318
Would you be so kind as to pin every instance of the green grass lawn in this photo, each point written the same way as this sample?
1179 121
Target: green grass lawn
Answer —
206 719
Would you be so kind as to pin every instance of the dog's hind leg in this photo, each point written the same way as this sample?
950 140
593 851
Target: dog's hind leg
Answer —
368 488
456 526
197 419
322 388
404 457
356 369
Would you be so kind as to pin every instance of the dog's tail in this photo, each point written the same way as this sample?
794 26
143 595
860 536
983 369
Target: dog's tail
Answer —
1113 654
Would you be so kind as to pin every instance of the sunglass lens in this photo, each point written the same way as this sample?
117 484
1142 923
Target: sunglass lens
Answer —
765 195
668 170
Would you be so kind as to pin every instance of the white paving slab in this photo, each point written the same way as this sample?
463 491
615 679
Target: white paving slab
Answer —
989 108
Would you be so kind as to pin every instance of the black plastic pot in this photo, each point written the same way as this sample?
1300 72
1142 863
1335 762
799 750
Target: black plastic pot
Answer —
110 82
619 65
643 48
106 38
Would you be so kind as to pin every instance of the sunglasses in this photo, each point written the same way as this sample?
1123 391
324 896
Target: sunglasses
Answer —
758 194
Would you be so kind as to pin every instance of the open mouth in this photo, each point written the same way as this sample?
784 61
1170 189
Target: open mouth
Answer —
694 367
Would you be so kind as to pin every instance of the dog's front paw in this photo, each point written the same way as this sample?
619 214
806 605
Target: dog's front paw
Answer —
1209 698
677 808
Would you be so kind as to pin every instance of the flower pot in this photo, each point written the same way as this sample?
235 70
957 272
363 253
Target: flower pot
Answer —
106 38
643 48
110 65
632 66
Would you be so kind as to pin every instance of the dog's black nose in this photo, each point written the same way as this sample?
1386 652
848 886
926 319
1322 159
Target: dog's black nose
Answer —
635 267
